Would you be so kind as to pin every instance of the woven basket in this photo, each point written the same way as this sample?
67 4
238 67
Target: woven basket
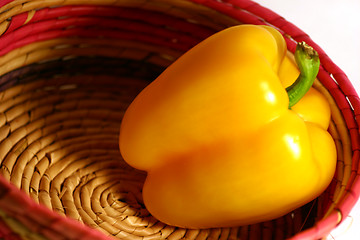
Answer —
69 69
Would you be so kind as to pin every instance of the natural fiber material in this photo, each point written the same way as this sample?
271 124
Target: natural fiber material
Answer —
69 69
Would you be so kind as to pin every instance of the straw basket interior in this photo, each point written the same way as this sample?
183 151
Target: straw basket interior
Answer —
68 71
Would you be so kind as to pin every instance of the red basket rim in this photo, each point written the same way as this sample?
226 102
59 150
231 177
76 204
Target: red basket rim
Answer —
333 78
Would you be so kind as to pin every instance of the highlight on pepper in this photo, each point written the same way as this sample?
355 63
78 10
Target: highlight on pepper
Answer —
232 133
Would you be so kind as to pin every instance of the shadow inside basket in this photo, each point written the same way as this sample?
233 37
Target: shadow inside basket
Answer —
60 138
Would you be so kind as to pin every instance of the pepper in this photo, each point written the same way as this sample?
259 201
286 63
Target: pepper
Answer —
226 135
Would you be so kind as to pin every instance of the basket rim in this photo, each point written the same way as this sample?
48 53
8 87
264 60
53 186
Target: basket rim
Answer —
333 78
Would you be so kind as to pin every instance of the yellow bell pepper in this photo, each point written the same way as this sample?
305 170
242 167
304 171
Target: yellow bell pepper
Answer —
220 134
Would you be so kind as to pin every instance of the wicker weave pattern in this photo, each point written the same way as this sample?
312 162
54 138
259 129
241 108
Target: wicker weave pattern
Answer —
69 69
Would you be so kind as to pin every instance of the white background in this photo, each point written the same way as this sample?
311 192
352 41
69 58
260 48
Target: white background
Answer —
335 26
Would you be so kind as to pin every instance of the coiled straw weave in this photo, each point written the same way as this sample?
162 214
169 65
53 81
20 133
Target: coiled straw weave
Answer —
69 69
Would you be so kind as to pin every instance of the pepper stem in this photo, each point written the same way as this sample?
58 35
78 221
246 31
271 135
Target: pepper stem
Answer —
308 62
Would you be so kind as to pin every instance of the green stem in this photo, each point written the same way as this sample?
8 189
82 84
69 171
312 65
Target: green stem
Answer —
308 62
